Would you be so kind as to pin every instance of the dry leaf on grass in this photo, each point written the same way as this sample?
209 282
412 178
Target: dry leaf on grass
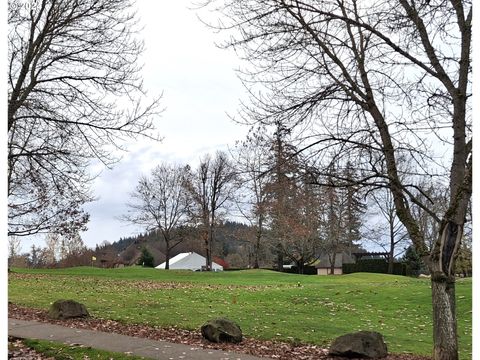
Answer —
270 349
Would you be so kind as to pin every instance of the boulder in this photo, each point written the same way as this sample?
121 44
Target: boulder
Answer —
66 309
362 344
221 330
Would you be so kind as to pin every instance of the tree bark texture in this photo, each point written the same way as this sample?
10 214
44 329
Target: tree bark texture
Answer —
167 254
206 242
443 291
444 318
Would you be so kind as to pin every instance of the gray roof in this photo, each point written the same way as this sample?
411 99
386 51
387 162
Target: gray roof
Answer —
340 259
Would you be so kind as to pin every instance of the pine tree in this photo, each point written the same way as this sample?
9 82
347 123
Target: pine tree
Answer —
146 259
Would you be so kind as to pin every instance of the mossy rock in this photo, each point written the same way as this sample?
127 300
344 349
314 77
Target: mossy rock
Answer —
67 309
221 330
362 344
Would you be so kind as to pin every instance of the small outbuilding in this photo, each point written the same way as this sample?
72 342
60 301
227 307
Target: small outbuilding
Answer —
324 266
189 261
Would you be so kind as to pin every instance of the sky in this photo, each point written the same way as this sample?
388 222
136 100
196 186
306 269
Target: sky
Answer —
199 87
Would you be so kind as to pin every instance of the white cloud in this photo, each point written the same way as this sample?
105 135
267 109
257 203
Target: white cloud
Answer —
199 86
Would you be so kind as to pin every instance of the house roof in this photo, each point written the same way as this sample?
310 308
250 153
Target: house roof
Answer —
221 262
133 252
340 259
359 255
188 261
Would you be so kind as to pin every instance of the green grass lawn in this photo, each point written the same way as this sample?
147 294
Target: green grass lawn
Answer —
266 304
61 351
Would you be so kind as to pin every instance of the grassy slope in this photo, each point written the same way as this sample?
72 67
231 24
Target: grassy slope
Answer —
61 351
266 304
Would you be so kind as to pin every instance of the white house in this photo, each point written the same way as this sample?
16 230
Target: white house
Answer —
189 261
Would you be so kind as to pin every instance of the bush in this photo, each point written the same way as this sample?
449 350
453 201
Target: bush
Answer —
374 266
307 270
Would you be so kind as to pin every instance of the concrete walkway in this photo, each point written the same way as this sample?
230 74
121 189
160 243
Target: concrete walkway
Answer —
118 343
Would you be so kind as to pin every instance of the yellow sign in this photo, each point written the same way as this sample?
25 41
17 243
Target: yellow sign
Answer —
94 258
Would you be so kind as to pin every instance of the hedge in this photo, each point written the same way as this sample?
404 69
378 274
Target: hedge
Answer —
374 266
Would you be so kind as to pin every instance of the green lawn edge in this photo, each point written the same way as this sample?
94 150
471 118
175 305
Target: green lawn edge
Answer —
61 351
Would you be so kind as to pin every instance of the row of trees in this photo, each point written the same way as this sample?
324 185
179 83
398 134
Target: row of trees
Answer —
175 196
294 210
265 182
59 251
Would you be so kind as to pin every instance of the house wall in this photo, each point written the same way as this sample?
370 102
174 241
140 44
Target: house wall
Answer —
322 271
326 271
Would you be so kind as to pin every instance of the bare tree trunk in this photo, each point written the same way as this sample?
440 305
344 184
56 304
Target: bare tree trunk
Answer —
301 267
256 246
332 264
444 318
279 257
392 247
443 291
390 262
256 249
206 243
210 244
167 254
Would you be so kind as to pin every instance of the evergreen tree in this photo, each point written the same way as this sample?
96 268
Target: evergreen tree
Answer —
354 207
146 259
281 189
413 260
342 216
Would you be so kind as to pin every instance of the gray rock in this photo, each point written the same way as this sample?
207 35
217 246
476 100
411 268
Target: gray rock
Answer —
66 309
362 344
221 330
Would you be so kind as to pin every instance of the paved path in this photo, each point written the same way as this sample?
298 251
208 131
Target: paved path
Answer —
119 343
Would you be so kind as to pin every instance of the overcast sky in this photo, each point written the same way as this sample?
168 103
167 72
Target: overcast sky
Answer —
199 88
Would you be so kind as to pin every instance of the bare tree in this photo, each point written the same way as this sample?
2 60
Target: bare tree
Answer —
394 234
252 168
301 225
436 201
160 202
211 186
50 254
380 81
74 94
14 246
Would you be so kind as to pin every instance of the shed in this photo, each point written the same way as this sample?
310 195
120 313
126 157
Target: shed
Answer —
324 268
189 261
